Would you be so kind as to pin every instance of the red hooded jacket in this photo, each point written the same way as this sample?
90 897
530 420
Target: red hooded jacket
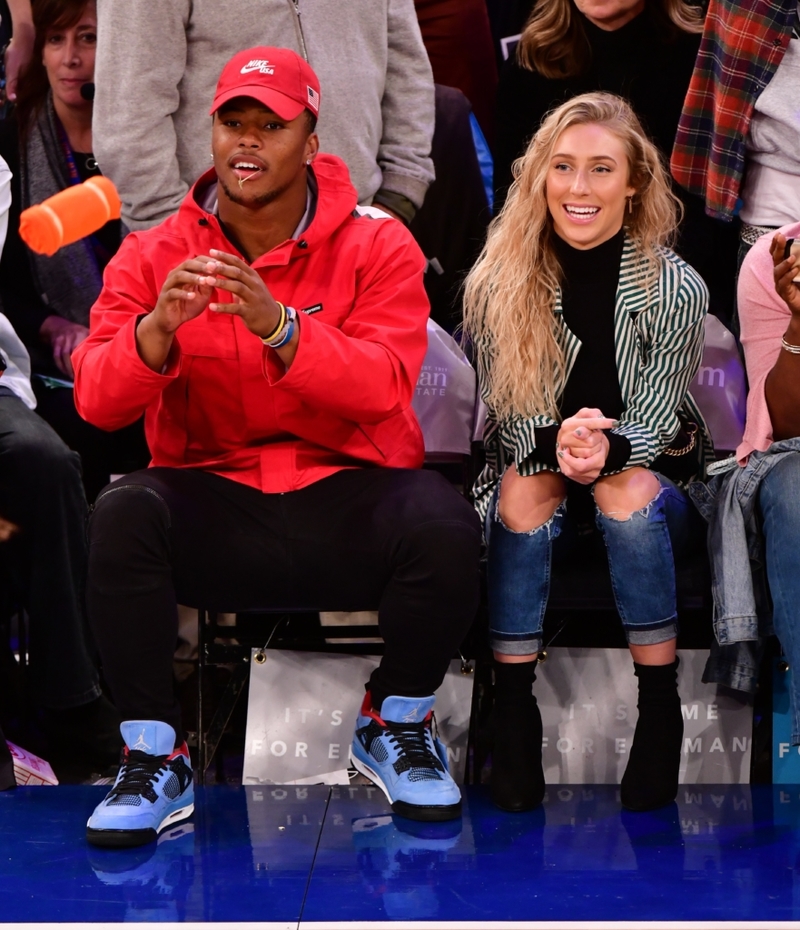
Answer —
225 403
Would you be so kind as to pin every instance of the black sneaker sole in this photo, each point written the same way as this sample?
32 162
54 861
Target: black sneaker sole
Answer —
120 839
428 814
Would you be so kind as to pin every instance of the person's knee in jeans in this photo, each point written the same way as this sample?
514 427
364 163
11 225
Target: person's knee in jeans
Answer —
524 518
619 496
631 514
526 503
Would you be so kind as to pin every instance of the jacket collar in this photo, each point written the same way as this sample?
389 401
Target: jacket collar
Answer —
336 200
632 295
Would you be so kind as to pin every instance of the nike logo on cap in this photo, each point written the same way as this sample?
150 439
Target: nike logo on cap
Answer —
258 64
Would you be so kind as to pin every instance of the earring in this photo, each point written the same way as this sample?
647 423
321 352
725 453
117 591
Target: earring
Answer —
308 162
630 204
211 156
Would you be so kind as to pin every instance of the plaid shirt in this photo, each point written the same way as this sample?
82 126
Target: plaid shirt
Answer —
743 44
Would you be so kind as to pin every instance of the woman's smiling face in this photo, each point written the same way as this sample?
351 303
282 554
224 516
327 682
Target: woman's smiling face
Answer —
587 185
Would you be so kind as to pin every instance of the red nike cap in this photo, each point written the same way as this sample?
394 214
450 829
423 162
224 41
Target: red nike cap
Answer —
277 77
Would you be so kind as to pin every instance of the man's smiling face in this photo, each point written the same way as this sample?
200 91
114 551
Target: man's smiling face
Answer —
258 155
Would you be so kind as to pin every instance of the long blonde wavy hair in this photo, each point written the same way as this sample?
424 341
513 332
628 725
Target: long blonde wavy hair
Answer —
510 294
554 40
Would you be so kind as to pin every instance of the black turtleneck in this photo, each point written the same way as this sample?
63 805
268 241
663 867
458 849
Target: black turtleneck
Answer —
588 299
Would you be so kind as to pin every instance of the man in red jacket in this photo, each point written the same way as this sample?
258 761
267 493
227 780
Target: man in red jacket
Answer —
272 336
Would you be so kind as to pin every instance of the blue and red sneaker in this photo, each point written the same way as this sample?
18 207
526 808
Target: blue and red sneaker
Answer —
153 789
397 750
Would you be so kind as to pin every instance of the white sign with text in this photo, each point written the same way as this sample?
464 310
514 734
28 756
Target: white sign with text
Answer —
302 711
588 702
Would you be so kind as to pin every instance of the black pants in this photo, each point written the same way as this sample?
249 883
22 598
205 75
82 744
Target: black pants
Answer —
41 491
402 541
102 453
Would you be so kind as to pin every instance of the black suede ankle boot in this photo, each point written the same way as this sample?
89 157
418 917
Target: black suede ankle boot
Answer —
517 779
651 776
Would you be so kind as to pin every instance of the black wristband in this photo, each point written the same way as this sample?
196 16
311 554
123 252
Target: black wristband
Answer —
619 451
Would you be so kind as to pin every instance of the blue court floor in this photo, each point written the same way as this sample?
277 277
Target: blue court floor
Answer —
317 857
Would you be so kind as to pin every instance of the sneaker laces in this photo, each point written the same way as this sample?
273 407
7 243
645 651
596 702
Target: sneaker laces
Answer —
414 748
139 772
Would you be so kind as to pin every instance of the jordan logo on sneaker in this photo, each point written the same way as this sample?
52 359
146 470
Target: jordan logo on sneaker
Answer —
413 715
140 744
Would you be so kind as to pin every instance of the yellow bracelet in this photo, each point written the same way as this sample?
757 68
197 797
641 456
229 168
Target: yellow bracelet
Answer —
276 332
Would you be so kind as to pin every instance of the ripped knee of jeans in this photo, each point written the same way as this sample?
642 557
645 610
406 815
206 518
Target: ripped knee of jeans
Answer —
625 516
551 526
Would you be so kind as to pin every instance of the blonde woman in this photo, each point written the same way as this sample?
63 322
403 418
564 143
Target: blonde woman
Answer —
643 51
588 330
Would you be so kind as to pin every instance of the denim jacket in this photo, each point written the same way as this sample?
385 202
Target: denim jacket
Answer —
742 611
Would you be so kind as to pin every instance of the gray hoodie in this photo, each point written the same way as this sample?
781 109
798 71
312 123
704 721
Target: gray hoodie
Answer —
158 62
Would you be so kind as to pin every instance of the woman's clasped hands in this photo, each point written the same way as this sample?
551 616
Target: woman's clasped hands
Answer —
582 446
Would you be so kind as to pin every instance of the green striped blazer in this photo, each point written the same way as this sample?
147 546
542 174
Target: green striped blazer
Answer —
658 334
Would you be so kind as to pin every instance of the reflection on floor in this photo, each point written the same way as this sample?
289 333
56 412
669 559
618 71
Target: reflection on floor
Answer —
314 857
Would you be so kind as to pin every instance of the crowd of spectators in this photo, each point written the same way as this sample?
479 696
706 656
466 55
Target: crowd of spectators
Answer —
413 96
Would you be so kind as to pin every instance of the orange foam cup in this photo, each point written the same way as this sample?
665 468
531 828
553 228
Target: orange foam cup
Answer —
69 215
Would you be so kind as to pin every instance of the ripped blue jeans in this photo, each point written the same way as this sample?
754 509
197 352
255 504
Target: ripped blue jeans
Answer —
640 560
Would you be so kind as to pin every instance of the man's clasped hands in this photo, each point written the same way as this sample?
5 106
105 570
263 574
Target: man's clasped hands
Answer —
188 289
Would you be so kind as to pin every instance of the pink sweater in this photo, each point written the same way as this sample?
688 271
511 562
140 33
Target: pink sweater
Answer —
764 318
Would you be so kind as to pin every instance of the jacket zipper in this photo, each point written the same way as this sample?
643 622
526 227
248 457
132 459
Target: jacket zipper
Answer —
296 5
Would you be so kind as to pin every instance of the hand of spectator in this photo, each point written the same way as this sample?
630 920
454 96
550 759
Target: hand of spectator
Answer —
582 446
252 300
184 296
7 529
63 337
18 54
784 270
